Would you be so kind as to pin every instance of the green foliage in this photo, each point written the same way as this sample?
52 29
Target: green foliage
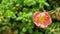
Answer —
42 3
16 16
29 2
54 28
8 14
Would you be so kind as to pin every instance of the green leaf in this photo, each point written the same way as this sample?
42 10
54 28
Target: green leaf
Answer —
41 5
38 32
29 2
46 4
15 0
8 14
24 29
41 1
30 31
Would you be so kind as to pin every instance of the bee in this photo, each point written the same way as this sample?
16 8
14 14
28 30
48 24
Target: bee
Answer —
55 14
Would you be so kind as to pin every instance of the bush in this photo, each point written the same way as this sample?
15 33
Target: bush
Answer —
16 16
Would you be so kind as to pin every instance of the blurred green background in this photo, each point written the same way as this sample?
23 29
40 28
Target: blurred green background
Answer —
16 16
